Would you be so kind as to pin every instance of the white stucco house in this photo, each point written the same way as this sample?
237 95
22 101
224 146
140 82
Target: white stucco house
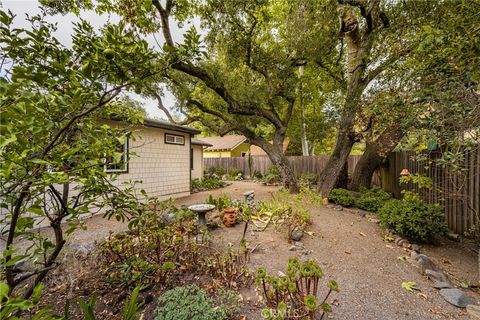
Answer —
165 157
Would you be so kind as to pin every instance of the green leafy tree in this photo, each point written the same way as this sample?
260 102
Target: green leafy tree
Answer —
53 146
242 76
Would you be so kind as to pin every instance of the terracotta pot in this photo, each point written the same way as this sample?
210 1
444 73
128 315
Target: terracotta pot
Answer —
229 217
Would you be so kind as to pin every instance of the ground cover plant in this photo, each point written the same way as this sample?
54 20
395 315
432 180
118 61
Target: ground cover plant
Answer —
413 218
193 303
284 210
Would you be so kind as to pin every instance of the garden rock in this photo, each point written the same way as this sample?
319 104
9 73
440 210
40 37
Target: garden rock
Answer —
338 207
362 213
442 285
473 311
456 297
297 246
297 235
415 247
424 263
436 276
81 251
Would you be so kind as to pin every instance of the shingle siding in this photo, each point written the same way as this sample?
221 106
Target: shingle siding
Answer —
163 168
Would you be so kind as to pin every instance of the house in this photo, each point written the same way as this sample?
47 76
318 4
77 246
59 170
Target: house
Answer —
165 157
226 147
233 146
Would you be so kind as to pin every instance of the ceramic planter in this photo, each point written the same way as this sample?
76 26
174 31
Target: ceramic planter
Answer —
229 217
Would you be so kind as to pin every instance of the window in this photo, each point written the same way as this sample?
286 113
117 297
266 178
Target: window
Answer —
174 139
118 164
244 154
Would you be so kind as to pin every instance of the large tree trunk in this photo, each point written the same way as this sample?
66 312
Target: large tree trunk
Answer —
365 168
375 152
330 176
274 151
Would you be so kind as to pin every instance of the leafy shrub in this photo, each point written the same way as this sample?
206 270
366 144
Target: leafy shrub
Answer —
158 244
413 218
208 183
272 175
221 202
372 199
188 303
308 180
258 175
294 295
342 197
12 307
235 174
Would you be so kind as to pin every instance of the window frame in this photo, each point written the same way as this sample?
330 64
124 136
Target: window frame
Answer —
125 160
176 136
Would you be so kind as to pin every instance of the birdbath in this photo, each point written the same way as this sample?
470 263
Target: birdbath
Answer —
201 210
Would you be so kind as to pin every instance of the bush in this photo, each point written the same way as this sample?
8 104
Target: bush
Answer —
372 199
208 183
308 180
342 197
188 303
235 174
272 175
413 218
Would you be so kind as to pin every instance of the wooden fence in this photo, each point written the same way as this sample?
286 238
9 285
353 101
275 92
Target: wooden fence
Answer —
300 164
457 192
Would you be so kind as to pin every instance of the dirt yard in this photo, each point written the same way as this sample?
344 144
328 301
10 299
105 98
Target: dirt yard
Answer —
350 249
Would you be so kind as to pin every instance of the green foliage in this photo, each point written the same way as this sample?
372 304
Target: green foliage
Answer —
130 309
308 180
13 307
54 140
189 303
207 183
294 295
413 218
221 202
372 199
158 244
219 171
272 175
342 197
284 210
229 300
235 174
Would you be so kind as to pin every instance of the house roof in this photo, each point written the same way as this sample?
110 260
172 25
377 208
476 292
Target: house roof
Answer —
169 126
200 142
257 151
228 142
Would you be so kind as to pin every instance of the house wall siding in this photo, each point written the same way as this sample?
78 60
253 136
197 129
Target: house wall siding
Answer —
164 169
197 172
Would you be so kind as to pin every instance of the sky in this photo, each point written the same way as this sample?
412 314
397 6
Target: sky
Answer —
65 28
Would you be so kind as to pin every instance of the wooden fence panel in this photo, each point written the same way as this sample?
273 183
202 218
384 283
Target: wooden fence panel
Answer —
458 193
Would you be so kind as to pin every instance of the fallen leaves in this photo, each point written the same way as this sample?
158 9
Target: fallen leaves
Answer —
409 285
